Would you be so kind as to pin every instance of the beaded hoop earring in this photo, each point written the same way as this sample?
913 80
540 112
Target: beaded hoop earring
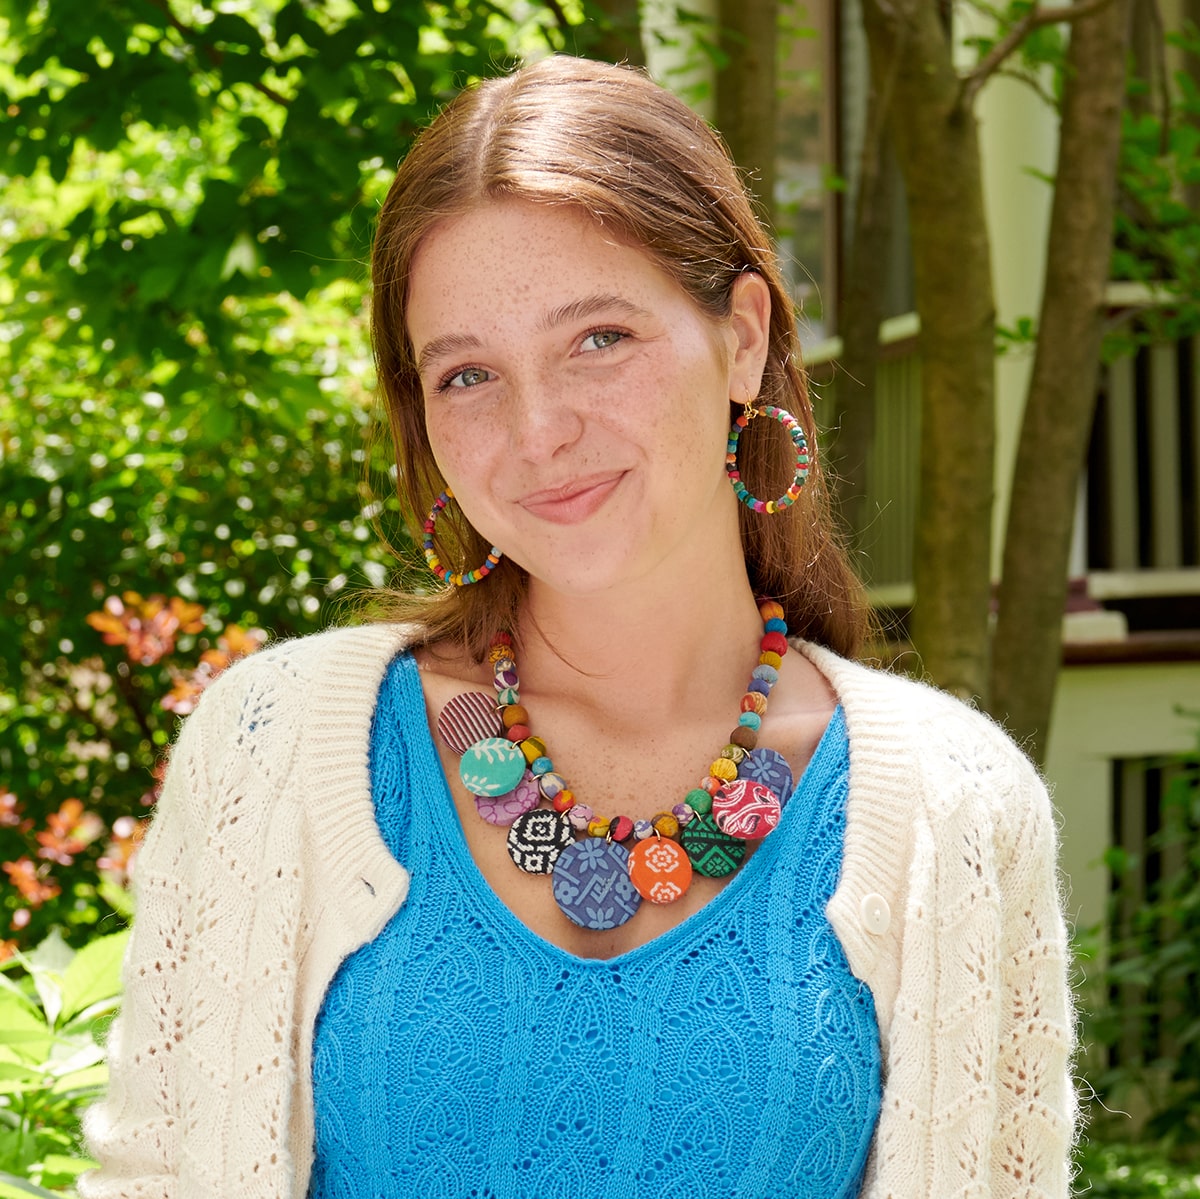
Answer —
799 441
454 578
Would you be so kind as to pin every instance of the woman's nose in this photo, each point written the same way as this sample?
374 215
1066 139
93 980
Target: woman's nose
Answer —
544 418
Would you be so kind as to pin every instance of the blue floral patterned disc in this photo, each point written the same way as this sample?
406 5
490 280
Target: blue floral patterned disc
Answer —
770 768
592 884
492 766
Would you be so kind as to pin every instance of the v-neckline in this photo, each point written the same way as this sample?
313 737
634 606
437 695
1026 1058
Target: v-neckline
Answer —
697 924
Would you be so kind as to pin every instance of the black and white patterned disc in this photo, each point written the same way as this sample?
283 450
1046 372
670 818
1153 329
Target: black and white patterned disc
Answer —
537 838
467 718
769 767
592 884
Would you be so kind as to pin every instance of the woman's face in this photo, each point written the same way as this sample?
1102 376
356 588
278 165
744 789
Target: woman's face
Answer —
576 399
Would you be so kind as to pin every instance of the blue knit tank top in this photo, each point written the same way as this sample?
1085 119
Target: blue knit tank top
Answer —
458 1054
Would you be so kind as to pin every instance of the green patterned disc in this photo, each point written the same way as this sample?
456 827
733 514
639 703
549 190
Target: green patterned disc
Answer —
712 853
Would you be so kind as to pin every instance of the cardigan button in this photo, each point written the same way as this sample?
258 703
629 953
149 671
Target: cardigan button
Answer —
876 915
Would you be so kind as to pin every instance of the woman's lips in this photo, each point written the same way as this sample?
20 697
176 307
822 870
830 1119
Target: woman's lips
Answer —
573 502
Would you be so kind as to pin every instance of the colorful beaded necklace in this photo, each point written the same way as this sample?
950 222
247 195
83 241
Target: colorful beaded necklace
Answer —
596 880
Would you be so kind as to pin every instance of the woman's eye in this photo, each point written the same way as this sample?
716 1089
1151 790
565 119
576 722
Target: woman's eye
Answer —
602 339
469 376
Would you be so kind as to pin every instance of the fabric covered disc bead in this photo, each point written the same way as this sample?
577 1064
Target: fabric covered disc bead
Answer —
592 886
770 767
468 718
746 809
491 767
537 838
660 870
502 810
712 853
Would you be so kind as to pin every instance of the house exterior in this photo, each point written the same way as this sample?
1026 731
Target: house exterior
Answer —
1131 662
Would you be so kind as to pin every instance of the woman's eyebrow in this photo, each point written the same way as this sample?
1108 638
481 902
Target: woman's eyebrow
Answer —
446 344
588 306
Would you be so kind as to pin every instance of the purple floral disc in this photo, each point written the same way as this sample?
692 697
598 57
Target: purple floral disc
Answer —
504 809
746 809
468 718
769 767
592 884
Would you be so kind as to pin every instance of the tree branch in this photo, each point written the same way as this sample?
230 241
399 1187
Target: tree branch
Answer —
215 57
1035 18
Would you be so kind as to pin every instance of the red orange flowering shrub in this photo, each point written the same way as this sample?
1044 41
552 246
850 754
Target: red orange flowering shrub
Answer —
71 867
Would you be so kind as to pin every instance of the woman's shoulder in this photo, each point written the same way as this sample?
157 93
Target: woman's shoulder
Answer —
897 714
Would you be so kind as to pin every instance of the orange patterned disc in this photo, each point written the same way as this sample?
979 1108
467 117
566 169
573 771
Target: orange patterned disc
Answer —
660 870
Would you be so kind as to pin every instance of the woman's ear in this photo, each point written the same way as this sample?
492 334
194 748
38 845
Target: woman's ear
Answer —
750 325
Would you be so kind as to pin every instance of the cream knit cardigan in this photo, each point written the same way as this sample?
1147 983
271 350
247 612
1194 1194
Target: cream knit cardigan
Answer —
264 869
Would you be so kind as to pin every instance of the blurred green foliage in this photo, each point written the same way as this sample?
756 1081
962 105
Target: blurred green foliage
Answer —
186 192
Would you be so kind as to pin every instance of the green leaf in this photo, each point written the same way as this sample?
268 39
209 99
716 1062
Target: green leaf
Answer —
94 974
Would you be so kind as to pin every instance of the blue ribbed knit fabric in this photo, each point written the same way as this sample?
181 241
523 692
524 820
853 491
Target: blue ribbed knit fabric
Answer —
459 1055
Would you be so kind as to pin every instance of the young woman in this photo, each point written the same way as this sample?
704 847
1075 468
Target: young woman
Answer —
602 869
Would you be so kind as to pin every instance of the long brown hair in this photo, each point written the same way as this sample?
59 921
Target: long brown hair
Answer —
611 142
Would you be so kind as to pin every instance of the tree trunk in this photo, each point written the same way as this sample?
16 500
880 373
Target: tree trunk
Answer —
746 107
938 151
1062 389
860 313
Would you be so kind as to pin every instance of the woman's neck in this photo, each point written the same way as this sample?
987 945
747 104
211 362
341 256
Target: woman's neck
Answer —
653 648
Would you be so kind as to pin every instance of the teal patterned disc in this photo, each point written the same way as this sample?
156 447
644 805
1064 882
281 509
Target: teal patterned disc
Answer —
492 766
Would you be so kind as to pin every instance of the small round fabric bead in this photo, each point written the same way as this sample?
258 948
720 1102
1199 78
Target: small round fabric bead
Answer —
750 720
754 701
770 610
711 785
683 813
533 748
514 714
775 625
621 828
518 732
746 738
759 686
735 753
504 666
509 695
580 815
767 673
775 642
550 782
505 678
642 829
666 825
499 652
564 801
770 658
598 827
724 769
699 801
541 765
